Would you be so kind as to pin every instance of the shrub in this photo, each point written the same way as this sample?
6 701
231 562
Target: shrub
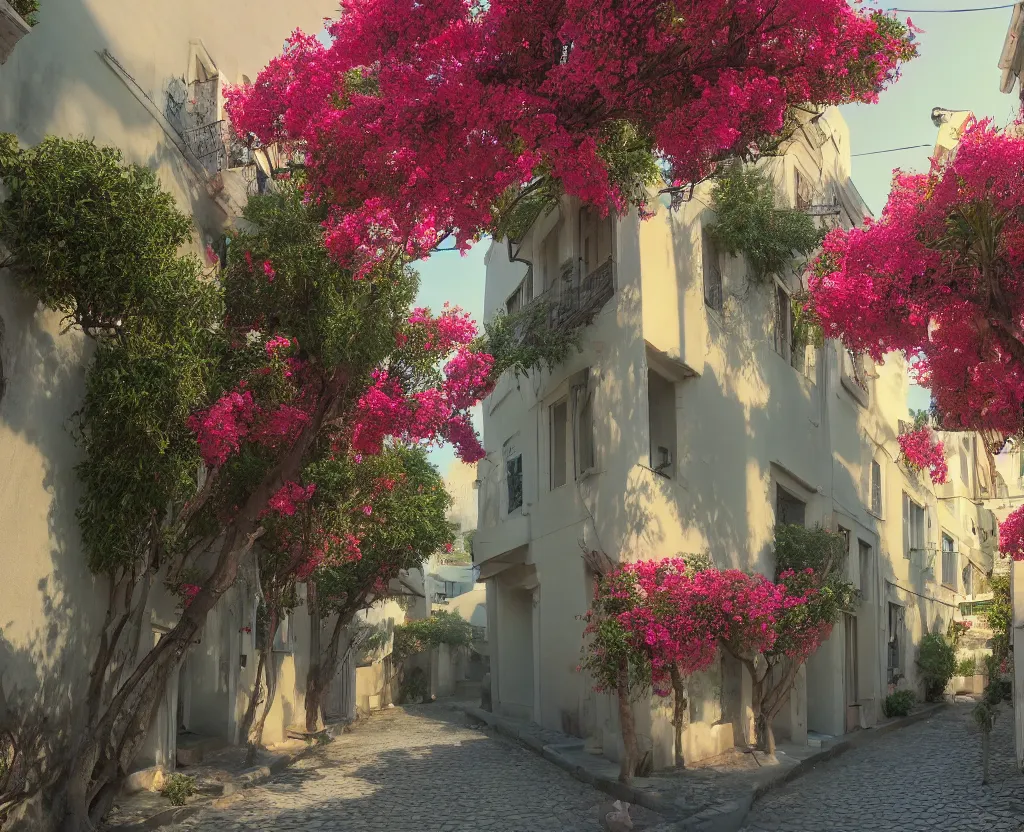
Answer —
898 703
179 788
937 663
966 667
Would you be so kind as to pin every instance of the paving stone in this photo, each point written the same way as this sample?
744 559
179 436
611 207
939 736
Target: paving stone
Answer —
924 777
418 769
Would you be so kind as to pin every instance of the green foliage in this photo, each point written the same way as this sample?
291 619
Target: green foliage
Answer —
609 649
519 208
798 549
966 666
93 238
898 704
524 340
748 224
98 241
999 690
937 664
412 522
630 157
414 687
1000 617
442 627
179 788
337 320
28 9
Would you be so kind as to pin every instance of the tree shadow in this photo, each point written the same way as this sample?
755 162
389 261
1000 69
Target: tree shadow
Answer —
417 782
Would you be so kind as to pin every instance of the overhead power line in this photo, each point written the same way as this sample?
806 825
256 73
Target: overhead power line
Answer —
955 11
892 150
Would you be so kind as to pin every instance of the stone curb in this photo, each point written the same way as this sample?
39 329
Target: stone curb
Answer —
232 791
723 817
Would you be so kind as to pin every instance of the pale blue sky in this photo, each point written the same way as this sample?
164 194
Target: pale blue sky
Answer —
957 70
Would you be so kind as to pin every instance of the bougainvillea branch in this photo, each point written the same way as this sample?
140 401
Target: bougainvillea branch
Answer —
421 121
920 450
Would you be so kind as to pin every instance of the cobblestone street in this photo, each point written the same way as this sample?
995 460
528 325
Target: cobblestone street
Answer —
424 769
924 777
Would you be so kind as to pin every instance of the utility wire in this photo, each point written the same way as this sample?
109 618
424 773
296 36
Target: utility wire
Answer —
892 150
955 11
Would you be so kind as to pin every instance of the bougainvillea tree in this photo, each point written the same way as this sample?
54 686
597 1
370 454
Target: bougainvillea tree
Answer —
394 508
939 278
421 121
247 373
774 628
654 623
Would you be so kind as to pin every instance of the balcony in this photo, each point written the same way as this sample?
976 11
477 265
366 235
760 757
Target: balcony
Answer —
13 28
574 306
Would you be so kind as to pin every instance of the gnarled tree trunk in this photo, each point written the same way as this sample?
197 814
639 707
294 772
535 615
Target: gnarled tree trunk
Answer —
680 712
267 661
322 668
117 731
630 748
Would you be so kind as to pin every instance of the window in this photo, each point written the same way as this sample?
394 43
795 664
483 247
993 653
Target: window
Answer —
559 444
895 634
661 401
596 235
876 488
949 562
782 322
514 480
522 295
802 191
846 538
965 468
968 579
865 563
789 510
855 376
713 295
583 399
913 527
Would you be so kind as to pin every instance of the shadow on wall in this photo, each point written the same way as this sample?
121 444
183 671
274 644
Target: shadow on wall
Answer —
50 604
58 82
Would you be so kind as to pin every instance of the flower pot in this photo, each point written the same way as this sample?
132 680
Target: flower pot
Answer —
980 683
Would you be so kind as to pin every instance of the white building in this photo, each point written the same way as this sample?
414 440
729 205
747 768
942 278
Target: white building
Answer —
691 422
147 78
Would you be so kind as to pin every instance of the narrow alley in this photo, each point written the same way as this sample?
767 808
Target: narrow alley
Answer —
924 778
419 769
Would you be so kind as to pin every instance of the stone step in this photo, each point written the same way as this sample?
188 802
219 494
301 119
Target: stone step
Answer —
192 748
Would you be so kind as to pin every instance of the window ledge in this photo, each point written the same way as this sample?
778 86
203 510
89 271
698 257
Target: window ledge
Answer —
12 29
859 394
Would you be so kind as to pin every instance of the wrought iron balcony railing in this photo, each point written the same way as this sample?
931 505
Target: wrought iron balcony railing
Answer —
571 306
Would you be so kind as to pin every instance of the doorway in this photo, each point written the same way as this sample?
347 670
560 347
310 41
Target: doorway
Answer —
850 673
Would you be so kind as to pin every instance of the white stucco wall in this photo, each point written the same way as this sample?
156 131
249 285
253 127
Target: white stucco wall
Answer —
747 424
56 82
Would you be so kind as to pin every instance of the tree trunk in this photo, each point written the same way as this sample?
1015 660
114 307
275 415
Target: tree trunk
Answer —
313 683
680 713
267 660
254 699
630 749
113 739
322 668
764 737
